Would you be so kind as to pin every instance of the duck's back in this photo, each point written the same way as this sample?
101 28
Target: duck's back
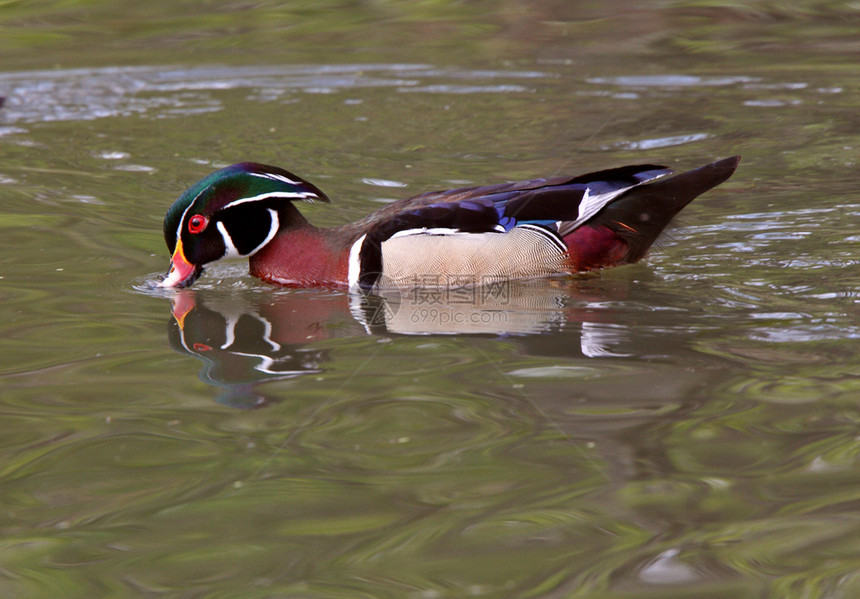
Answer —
525 229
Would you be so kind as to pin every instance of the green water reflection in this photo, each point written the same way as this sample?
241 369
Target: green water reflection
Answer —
686 427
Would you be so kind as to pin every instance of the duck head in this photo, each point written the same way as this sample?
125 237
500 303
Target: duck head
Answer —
233 212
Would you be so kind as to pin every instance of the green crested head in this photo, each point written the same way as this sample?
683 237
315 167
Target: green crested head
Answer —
231 212
234 185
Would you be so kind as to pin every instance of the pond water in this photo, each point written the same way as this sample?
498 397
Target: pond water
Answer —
684 427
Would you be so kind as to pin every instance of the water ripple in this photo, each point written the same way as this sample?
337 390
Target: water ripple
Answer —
670 80
88 94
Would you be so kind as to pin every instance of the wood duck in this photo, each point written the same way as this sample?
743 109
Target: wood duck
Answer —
467 236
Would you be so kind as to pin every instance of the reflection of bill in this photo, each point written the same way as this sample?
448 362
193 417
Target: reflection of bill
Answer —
244 342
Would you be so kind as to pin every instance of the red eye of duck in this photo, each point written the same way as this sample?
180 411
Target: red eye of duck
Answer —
197 223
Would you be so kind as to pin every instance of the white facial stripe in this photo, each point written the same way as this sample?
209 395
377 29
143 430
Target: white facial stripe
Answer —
354 266
182 219
230 248
275 177
230 251
273 230
184 212
294 195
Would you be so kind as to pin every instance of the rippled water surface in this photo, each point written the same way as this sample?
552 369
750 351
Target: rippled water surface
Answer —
684 427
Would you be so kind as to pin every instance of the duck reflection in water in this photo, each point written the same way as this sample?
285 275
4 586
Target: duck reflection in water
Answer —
243 343
250 338
514 237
